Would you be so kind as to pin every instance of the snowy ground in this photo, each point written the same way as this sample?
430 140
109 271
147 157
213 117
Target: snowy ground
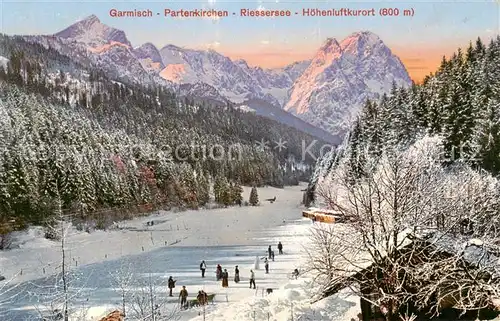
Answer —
291 302
174 246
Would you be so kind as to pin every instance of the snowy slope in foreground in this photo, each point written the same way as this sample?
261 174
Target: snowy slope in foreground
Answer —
291 299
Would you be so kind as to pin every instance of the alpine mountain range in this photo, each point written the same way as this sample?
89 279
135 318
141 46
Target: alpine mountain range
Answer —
320 96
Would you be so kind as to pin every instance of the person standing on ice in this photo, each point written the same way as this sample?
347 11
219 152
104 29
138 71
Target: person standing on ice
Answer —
202 297
236 274
225 279
218 272
280 248
203 267
183 296
266 265
171 284
252 279
269 250
272 255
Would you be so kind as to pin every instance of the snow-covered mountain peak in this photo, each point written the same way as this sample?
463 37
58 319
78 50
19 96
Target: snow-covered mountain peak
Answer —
305 85
361 43
149 57
147 46
328 43
328 52
170 47
90 20
366 37
148 50
341 77
93 33
242 63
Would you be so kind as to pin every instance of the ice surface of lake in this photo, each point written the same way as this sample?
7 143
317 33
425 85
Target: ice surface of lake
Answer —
97 283
229 236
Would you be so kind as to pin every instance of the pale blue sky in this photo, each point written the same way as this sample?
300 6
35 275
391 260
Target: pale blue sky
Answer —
434 27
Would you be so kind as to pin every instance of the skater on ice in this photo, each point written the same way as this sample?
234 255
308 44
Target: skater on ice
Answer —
225 279
266 265
218 272
183 296
171 284
272 255
252 279
295 273
236 274
269 250
203 267
280 248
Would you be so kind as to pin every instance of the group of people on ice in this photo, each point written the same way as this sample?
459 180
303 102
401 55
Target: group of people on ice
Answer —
270 254
202 296
223 275
183 294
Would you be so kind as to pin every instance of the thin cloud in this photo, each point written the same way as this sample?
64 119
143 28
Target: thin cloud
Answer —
213 45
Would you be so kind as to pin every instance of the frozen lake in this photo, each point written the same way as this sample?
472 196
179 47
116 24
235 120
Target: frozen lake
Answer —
96 285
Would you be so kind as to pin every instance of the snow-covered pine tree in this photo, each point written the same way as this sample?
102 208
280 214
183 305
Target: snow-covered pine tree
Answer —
419 108
388 117
203 188
254 197
226 192
355 161
371 124
237 191
458 113
405 123
188 185
486 141
218 189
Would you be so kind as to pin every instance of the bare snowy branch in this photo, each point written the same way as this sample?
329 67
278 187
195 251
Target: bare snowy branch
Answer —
416 231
